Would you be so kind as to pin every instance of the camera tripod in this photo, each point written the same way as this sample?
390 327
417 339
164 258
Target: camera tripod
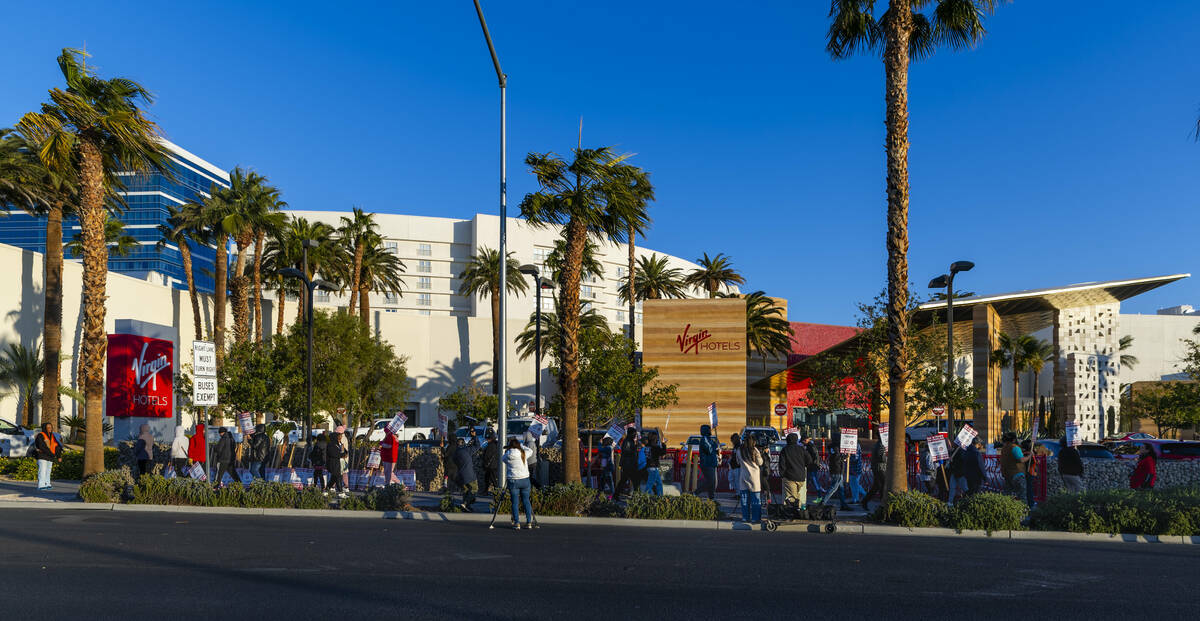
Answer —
499 500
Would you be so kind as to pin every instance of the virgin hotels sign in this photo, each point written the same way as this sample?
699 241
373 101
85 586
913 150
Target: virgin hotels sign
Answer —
140 377
692 341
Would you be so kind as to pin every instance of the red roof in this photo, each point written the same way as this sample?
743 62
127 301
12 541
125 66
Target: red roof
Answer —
810 339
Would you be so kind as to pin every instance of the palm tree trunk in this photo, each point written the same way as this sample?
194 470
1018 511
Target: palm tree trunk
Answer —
496 379
221 287
26 417
282 299
569 347
259 238
95 279
1016 396
632 267
895 59
185 254
356 277
52 321
241 295
364 305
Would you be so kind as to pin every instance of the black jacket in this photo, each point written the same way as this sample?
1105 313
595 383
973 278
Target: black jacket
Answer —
317 456
41 450
464 461
449 468
814 463
794 462
655 454
260 446
973 467
629 451
1069 462
764 471
491 456
223 453
333 456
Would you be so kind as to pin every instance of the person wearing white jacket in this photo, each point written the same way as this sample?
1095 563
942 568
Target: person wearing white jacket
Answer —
179 450
516 471
749 481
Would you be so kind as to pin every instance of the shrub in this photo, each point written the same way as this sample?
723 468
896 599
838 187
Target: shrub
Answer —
21 468
685 507
986 511
71 466
394 497
106 486
152 489
1171 511
569 499
911 509
311 498
447 504
268 495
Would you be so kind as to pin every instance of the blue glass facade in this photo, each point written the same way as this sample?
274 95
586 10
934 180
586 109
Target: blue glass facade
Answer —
148 198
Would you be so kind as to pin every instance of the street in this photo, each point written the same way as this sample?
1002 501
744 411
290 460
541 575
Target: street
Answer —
84 564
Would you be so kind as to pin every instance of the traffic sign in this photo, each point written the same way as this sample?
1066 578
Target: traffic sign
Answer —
939 410
204 358
204 391
780 409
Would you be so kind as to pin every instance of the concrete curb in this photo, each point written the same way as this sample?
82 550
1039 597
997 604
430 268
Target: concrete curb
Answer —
843 528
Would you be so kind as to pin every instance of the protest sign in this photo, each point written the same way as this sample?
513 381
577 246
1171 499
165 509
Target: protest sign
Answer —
883 433
937 447
374 458
712 414
245 476
442 422
197 472
408 478
966 436
616 432
246 422
849 443
1072 429
397 423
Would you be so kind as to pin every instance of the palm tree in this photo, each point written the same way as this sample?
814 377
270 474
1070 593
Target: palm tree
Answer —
93 128
119 243
901 35
597 195
1037 353
592 267
23 367
206 221
279 254
1015 353
552 332
481 278
714 274
1127 360
656 280
353 233
250 205
767 329
27 182
380 272
268 224
175 232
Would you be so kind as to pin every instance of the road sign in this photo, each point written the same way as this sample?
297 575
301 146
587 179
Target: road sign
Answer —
204 358
939 410
937 447
966 436
849 442
1072 429
204 391
780 409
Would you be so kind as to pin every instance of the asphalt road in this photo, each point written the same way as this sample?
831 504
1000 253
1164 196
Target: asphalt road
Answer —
92 565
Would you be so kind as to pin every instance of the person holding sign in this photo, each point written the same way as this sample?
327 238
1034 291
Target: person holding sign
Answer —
516 471
198 448
260 449
629 463
1070 467
710 454
223 454
179 450
389 451
973 467
491 462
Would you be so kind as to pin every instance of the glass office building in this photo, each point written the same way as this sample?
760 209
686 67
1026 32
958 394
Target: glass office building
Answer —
148 197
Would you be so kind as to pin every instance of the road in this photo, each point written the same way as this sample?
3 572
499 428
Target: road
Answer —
93 565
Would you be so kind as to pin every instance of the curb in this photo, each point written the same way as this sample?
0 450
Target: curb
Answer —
843 528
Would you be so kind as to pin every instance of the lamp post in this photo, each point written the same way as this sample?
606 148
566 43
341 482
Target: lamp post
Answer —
539 283
947 281
501 377
310 285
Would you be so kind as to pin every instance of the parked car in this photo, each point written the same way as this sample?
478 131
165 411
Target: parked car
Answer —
516 427
1163 449
376 432
921 431
1086 449
1133 435
15 440
763 436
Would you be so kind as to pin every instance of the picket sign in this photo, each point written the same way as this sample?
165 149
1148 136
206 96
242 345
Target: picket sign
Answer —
883 433
937 447
374 458
197 472
408 478
616 432
169 472
1072 430
442 422
849 443
712 414
246 422
966 436
397 423
790 430
226 479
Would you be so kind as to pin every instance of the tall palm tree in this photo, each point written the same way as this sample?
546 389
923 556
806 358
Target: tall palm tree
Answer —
26 182
380 272
1037 353
269 222
22 367
251 205
353 233
175 232
901 35
767 329
119 243
552 332
591 268
714 274
93 128
481 278
656 280
1014 352
597 195
280 254
206 220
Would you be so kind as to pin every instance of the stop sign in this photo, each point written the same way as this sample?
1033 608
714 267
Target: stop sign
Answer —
780 409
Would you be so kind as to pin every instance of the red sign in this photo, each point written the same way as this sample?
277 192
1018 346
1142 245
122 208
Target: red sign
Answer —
939 410
780 409
140 376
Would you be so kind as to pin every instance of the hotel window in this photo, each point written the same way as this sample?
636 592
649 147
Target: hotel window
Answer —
639 318
424 266
424 311
392 247
587 293
620 272
548 304
424 282
323 296
424 250
390 298
621 316
424 299
585 307
540 254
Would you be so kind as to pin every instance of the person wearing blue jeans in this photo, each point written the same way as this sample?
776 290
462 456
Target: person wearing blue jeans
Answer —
654 452
814 465
710 454
750 483
516 470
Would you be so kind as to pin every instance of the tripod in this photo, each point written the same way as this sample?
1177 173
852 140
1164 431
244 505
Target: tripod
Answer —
499 500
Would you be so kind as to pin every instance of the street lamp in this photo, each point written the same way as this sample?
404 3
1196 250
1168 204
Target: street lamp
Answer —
540 283
309 285
947 281
500 374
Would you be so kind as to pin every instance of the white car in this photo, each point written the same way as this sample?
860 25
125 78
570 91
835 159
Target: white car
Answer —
376 432
516 428
15 440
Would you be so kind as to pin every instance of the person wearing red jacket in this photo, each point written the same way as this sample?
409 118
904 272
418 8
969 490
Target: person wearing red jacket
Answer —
1146 472
389 450
198 448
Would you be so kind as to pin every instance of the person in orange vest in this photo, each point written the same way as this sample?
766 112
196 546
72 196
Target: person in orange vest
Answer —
47 449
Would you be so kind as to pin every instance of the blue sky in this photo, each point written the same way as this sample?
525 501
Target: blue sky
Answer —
1056 152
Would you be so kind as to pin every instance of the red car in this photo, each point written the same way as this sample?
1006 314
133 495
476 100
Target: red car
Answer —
1163 449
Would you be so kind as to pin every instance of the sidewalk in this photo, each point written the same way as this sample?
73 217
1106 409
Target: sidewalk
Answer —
27 491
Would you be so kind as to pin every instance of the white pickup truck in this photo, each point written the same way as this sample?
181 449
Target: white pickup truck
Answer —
375 432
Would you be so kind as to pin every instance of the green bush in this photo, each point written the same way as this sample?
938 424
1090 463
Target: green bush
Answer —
685 507
912 509
447 503
394 497
21 468
569 499
106 486
71 466
267 495
152 489
311 498
986 511
1171 511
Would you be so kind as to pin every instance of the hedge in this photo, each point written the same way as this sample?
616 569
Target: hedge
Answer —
1171 511
567 499
69 469
985 511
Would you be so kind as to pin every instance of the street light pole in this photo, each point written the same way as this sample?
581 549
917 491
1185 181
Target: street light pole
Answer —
499 373
310 285
947 280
